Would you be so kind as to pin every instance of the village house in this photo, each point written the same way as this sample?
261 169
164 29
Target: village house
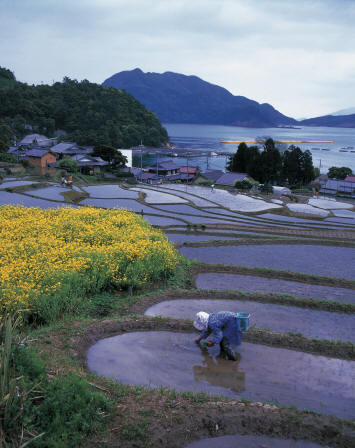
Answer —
164 169
64 149
41 158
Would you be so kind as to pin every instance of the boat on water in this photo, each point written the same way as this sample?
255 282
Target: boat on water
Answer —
347 147
343 150
315 149
325 149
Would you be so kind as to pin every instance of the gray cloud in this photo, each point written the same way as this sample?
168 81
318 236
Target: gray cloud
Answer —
297 55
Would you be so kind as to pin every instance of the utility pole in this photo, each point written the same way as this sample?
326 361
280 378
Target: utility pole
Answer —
187 165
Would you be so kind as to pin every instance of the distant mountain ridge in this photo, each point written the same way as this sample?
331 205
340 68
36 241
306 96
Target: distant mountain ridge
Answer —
336 121
347 111
177 98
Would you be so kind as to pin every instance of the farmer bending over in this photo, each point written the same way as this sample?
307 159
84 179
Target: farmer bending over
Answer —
225 327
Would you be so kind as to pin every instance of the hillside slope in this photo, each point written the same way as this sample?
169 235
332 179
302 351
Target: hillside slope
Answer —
177 98
89 113
338 121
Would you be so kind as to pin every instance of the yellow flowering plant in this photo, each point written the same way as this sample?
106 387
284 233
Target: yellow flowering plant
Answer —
51 259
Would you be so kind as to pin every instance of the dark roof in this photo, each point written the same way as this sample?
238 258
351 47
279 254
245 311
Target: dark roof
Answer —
30 138
70 148
212 174
189 169
168 166
179 177
38 152
230 178
149 176
85 160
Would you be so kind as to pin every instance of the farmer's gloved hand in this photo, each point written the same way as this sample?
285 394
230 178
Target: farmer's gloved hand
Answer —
210 344
197 340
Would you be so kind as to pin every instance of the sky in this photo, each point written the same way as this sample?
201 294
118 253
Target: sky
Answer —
297 55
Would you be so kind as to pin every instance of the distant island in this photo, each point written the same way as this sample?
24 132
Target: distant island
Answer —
177 98
336 121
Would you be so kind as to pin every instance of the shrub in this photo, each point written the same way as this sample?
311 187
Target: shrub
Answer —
69 412
244 184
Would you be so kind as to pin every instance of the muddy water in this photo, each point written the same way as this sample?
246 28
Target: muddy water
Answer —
319 260
248 441
161 358
310 323
252 284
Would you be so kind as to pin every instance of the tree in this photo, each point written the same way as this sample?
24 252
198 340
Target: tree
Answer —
110 154
308 170
339 173
67 163
6 137
270 163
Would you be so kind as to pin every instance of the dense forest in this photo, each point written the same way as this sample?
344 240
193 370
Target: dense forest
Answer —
89 114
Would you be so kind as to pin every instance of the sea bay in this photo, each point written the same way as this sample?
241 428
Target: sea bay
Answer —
194 137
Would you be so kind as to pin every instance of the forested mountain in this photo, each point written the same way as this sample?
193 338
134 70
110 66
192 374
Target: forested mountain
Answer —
89 113
177 98
337 121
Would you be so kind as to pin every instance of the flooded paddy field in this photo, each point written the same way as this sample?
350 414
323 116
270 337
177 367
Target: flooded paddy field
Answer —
286 377
52 193
16 183
249 283
320 260
248 441
7 198
183 237
280 318
110 191
161 220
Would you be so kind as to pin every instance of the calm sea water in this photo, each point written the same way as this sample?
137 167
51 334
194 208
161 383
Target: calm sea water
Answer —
194 136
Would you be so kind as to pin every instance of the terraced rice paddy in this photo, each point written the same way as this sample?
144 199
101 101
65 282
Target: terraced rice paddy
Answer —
290 376
284 319
269 285
319 260
286 377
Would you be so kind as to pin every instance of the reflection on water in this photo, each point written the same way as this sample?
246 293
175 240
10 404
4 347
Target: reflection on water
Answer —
220 372
286 377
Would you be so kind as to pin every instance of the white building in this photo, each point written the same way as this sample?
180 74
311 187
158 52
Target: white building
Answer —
127 153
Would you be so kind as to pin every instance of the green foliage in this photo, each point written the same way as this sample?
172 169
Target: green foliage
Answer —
266 188
269 166
90 114
7 78
136 432
339 173
204 182
5 157
101 304
245 160
244 184
110 154
69 412
68 164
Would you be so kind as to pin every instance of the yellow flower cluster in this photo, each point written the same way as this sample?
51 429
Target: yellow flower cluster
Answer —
59 253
